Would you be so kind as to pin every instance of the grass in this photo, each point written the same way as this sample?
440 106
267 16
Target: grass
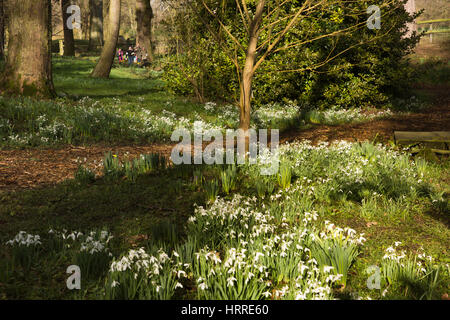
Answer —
159 211
130 107
133 107
433 71
214 232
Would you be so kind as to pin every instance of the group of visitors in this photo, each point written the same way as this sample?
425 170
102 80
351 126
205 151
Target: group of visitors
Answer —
134 56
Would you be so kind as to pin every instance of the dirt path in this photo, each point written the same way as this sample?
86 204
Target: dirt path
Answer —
38 167
435 119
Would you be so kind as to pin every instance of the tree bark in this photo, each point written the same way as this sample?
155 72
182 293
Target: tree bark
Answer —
69 42
85 18
28 69
103 67
410 7
105 13
2 31
96 24
248 71
144 16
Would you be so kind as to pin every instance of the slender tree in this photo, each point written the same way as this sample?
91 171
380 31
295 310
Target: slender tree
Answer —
69 42
28 69
95 24
267 25
144 16
103 67
2 31
85 18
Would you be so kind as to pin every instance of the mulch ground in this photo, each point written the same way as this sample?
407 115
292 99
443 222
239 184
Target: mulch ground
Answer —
38 167
30 168
435 119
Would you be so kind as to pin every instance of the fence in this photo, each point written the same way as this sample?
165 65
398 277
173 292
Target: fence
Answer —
432 31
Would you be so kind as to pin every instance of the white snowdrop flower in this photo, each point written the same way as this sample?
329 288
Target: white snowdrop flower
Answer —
351 232
178 285
203 286
390 250
266 294
258 254
114 284
231 281
327 269
192 219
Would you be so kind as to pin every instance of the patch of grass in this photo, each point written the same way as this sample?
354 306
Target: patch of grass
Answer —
196 250
432 71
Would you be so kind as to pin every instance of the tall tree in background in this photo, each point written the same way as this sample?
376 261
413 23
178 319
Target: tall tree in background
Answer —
69 43
28 69
410 7
103 67
2 31
85 18
96 23
144 16
105 19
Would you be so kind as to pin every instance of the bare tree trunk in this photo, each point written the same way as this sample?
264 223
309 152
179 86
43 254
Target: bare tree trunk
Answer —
248 72
132 14
69 43
96 24
28 69
85 18
410 7
105 13
103 67
2 31
144 16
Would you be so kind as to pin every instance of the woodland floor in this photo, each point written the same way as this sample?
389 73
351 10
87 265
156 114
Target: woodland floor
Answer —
31 168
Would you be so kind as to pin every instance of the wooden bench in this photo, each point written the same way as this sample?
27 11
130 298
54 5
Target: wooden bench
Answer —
413 139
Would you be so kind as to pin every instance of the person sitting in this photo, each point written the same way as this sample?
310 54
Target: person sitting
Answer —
130 55
120 55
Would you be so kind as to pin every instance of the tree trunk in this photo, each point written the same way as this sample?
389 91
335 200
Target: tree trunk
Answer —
28 69
85 18
144 16
2 31
105 13
103 67
96 24
69 43
410 7
248 72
